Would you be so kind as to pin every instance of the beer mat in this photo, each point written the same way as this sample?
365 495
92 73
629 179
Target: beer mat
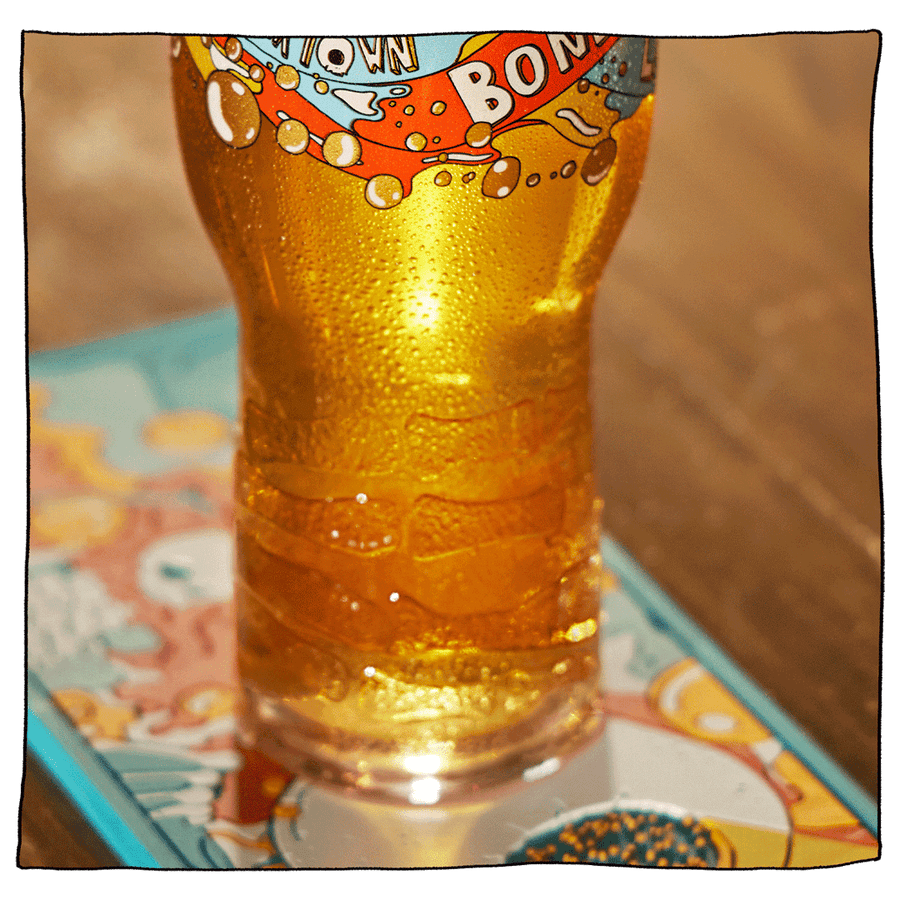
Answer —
130 661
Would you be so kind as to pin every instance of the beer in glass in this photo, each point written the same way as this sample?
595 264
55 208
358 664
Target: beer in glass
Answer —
415 227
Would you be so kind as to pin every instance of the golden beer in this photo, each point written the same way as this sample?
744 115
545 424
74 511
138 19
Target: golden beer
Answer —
417 521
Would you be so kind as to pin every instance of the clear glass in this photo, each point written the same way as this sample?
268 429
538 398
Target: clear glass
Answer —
417 521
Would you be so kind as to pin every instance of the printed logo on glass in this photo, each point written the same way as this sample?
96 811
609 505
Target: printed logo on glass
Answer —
387 109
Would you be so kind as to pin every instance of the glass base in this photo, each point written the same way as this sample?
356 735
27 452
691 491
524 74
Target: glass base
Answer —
431 772
321 828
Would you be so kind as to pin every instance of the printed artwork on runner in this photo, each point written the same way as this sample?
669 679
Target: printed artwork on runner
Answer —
130 630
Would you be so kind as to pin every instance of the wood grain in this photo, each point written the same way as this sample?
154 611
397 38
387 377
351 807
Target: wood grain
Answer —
735 361
54 835
737 404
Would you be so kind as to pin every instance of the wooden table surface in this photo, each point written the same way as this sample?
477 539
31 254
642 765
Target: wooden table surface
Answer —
737 407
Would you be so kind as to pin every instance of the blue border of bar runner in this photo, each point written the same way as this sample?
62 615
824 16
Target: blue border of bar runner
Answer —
94 787
138 842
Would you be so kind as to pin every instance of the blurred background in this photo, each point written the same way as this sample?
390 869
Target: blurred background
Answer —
736 409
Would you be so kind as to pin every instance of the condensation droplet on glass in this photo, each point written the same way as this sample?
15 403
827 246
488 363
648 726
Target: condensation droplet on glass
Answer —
361 498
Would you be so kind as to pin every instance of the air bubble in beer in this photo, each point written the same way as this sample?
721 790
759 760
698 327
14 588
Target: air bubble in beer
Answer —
384 191
342 149
292 136
502 177
599 161
233 110
287 77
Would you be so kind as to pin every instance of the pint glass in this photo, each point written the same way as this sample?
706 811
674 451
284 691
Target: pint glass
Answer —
415 227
